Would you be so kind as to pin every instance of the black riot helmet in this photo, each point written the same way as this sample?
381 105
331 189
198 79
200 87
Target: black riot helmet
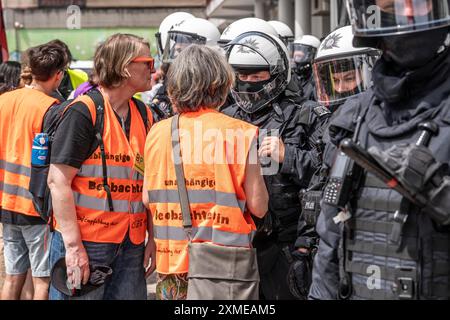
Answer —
252 52
410 32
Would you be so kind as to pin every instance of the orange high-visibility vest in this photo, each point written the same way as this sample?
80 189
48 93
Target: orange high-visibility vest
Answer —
21 117
97 223
215 148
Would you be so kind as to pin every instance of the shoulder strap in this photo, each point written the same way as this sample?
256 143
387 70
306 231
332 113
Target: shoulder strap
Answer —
143 112
53 117
97 98
99 125
181 184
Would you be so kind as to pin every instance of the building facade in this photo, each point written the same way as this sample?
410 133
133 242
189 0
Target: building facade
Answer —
82 24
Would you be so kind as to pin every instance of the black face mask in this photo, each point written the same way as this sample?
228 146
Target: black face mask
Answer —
414 50
303 68
246 86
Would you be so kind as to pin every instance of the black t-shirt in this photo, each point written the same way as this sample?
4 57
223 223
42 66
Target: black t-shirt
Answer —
75 136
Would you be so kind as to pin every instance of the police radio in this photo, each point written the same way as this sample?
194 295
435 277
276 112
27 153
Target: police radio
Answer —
340 181
343 173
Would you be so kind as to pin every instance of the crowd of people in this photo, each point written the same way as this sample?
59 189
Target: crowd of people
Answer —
247 165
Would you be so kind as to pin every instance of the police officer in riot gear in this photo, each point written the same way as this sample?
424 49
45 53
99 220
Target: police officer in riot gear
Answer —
377 231
264 97
160 103
341 71
284 32
303 51
166 25
178 31
241 26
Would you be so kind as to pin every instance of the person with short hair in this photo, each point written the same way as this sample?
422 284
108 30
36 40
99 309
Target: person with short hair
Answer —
224 180
25 234
105 224
72 79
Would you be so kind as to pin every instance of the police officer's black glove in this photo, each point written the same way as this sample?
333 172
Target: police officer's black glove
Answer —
411 165
300 275
417 170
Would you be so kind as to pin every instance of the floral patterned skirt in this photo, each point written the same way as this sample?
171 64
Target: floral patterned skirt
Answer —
171 286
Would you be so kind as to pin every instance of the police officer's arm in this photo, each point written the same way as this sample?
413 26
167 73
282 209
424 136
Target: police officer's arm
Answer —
325 278
307 236
60 183
302 154
291 156
254 186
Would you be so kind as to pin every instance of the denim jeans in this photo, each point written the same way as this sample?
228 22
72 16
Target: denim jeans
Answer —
126 259
57 251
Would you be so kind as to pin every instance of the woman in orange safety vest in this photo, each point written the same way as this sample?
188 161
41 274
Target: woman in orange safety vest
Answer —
224 188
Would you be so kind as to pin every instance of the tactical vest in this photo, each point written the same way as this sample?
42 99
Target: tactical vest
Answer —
418 266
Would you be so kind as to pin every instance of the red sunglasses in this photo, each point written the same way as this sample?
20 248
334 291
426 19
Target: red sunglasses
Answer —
149 60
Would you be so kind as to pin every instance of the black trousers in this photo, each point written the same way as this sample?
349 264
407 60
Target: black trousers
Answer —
273 271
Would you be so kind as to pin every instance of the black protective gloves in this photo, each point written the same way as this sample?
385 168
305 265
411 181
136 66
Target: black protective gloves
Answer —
416 169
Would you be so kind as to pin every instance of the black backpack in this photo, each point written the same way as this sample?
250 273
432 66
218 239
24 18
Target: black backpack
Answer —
38 180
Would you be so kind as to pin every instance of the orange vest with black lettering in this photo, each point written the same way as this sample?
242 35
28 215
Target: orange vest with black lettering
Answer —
124 159
215 148
21 116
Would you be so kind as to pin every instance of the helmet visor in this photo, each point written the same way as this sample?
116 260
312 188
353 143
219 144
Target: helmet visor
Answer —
390 17
302 54
177 41
159 46
252 96
339 79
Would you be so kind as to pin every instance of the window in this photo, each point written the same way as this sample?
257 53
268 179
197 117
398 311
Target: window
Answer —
60 3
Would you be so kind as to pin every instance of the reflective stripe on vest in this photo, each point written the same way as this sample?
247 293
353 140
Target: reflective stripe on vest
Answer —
122 206
15 168
13 190
215 188
198 196
116 172
97 223
202 234
21 117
